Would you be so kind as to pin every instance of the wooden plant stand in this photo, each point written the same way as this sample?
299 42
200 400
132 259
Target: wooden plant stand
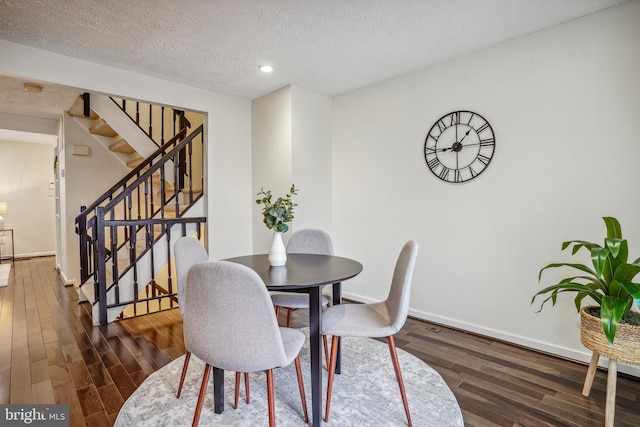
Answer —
626 349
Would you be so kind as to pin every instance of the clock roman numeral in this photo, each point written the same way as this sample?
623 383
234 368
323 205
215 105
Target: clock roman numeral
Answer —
441 126
489 142
484 159
457 177
444 173
483 127
455 118
433 163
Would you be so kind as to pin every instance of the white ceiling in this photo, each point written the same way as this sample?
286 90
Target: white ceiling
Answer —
328 46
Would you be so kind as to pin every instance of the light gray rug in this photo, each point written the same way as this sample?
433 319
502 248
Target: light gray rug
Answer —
365 393
5 270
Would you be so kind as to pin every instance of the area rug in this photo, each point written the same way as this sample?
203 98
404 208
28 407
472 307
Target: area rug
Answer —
365 393
5 270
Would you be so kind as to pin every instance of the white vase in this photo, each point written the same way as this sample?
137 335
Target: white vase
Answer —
277 253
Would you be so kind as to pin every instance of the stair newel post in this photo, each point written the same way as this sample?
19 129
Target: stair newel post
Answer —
163 192
189 149
86 104
176 187
113 231
151 121
84 249
162 125
145 191
101 255
152 282
130 205
182 156
132 260
139 208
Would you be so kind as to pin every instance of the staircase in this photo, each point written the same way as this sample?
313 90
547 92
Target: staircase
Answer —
127 234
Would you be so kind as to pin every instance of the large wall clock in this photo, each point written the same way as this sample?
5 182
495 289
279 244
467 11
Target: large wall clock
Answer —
459 146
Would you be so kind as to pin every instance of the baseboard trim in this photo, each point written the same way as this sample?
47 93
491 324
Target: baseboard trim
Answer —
536 345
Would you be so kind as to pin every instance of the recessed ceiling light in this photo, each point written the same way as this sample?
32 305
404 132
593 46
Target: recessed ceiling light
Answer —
266 68
32 87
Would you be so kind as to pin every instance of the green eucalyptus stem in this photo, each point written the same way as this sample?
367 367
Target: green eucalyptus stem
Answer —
277 214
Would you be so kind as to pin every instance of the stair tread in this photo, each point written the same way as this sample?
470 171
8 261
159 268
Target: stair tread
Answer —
121 146
102 128
134 163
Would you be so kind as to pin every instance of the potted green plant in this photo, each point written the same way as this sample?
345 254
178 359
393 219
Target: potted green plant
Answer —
276 214
608 281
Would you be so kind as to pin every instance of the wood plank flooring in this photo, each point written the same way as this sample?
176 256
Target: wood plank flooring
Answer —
51 353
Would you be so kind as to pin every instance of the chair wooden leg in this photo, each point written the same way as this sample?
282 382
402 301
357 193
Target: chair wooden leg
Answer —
591 373
246 388
332 371
301 387
326 349
396 366
236 393
236 396
289 317
203 390
271 398
184 373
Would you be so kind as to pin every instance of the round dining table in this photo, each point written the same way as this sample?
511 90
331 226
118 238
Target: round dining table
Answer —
302 273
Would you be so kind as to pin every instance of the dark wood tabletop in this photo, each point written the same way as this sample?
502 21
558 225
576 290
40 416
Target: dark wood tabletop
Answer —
301 270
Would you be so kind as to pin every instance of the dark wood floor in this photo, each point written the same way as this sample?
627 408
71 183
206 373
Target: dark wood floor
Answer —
50 352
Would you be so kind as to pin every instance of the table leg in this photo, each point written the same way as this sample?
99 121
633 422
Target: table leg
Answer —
315 341
337 299
218 390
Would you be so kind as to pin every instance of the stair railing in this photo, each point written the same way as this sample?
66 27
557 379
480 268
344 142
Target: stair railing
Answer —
145 121
133 215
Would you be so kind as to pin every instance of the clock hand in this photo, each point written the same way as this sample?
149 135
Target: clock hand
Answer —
470 145
465 135
457 146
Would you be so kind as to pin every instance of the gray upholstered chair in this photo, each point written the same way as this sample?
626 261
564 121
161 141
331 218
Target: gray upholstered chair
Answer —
304 241
188 250
380 319
229 323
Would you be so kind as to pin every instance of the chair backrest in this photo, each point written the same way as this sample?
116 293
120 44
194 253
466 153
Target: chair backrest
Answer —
187 250
397 302
310 241
229 320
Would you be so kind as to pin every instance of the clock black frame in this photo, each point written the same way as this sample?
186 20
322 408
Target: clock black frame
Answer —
459 146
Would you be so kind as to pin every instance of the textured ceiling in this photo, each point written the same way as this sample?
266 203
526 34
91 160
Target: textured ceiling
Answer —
328 46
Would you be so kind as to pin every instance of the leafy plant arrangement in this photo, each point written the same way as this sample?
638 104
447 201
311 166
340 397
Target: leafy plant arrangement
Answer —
277 214
608 282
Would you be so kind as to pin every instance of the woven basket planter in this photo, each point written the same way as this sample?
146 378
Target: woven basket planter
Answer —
626 345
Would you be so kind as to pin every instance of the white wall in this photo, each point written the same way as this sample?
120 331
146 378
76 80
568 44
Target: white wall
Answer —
228 133
271 156
85 178
26 183
564 106
291 139
311 138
